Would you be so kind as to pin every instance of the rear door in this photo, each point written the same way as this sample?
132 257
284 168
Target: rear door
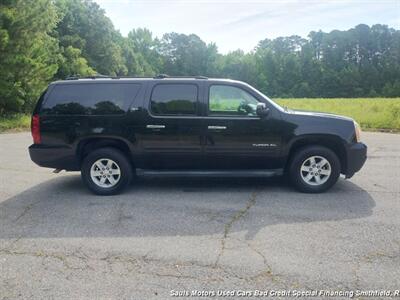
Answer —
235 137
171 134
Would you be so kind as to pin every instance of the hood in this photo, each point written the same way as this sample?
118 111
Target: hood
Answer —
318 114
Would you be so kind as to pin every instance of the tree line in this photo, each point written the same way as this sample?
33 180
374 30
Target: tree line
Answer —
46 40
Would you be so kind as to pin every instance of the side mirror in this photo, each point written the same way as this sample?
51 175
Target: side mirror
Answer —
262 110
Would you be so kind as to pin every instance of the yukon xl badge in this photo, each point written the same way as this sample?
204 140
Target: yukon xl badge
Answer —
264 145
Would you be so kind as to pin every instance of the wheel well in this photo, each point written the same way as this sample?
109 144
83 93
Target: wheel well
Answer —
88 145
336 146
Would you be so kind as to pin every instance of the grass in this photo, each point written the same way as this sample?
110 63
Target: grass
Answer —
370 113
17 122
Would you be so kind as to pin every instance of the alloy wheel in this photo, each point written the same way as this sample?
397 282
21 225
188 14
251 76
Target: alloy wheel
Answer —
315 170
105 173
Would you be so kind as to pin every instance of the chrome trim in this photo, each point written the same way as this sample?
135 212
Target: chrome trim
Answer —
155 126
217 127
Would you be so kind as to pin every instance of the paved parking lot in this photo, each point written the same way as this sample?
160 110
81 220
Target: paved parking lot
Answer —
59 241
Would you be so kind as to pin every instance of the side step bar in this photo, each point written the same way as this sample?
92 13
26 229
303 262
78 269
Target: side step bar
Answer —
209 173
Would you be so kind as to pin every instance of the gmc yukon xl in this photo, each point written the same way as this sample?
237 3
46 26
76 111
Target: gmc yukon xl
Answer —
112 129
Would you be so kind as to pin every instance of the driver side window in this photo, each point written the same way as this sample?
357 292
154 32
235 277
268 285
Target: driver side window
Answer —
225 100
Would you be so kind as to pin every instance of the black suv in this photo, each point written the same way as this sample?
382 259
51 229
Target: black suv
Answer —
111 129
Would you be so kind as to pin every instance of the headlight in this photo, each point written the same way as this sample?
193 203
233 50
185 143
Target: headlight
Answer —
357 130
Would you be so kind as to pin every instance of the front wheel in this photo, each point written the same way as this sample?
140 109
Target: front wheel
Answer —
314 169
106 171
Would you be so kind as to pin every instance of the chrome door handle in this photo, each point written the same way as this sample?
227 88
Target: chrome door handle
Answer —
217 127
155 126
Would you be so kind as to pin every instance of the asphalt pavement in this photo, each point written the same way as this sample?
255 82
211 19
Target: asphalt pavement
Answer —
164 237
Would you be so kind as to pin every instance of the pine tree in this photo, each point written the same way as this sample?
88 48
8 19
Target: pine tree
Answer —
29 56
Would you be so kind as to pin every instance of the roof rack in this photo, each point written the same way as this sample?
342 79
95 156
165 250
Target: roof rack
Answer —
159 76
76 77
162 76
98 76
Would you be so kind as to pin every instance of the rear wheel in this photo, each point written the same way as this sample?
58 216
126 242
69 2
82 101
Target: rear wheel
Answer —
106 171
314 169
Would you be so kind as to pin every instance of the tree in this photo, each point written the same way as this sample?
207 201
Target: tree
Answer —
72 63
84 26
44 40
186 54
29 56
391 90
140 53
240 66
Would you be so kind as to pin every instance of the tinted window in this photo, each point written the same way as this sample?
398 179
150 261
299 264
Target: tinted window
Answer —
174 99
93 99
230 100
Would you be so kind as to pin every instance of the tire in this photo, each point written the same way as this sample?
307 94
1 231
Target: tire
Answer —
314 169
106 171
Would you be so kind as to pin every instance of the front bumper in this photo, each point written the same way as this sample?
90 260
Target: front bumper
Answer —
356 157
55 157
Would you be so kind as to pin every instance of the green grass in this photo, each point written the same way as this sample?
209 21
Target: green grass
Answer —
17 122
370 113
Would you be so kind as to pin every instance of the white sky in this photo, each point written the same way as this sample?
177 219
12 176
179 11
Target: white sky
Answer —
235 24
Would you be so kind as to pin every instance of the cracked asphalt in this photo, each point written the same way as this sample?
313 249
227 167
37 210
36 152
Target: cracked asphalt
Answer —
58 241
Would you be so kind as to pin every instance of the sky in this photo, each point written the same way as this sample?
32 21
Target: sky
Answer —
241 24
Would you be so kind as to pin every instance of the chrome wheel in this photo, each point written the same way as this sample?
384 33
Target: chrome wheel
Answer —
315 170
105 173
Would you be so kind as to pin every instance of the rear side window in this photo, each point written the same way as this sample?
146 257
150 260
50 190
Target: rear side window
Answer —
90 99
174 99
39 102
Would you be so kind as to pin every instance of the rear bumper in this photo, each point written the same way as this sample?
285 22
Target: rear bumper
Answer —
356 157
56 157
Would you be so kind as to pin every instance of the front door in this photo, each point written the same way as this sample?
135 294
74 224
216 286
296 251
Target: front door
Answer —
236 138
172 131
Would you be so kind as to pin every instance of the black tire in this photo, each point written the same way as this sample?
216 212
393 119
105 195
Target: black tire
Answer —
301 156
121 161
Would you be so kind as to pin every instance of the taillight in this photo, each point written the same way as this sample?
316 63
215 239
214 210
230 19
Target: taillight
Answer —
35 129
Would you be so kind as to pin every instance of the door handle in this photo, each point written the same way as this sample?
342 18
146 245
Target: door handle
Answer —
155 126
217 127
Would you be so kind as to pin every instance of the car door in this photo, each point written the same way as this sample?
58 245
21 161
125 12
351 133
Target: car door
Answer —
170 135
235 136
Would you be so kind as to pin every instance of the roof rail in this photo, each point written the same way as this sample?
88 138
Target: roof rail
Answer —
159 76
72 77
162 76
98 76
76 77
